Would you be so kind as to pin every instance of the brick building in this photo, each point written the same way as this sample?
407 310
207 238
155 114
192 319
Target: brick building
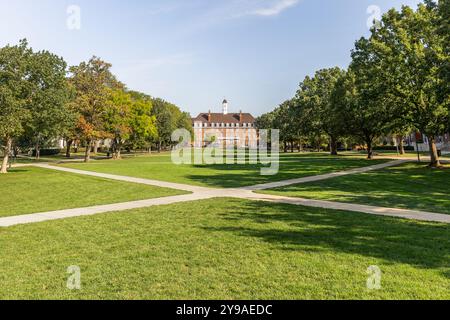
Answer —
227 129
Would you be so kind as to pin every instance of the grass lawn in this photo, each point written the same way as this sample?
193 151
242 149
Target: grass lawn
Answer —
411 186
226 249
160 167
31 190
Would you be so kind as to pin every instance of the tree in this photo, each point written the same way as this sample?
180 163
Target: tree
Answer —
142 121
406 55
168 118
92 82
49 111
283 120
15 62
316 107
117 120
363 115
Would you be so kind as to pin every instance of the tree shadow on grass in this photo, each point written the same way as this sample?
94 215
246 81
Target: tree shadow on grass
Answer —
408 186
239 175
296 228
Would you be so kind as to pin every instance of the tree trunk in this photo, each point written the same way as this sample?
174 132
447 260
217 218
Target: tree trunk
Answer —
369 149
4 168
300 146
38 151
159 146
292 146
87 156
401 145
96 145
68 147
435 163
333 146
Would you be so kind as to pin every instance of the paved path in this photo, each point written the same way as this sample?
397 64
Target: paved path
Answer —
379 211
70 213
149 182
201 193
285 183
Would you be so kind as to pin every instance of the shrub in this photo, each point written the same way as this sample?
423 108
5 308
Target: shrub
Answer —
391 148
47 152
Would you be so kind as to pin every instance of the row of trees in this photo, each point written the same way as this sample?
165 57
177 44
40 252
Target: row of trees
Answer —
41 100
397 83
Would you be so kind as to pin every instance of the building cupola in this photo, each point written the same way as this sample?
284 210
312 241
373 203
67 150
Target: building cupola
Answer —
225 106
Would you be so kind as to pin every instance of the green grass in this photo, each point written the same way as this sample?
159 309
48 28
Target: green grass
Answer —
160 167
31 190
410 186
226 249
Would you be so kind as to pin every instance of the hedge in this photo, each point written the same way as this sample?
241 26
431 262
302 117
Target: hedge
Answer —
47 152
391 148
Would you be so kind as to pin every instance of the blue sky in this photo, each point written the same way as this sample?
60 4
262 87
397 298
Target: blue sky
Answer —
196 52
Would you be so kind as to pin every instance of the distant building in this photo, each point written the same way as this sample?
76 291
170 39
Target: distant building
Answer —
442 142
227 129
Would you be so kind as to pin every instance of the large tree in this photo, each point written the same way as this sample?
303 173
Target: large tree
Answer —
402 63
50 115
363 117
316 107
142 122
15 66
168 119
92 82
117 120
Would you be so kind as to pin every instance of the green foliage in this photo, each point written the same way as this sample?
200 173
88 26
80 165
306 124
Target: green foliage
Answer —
315 106
117 119
92 82
142 121
15 89
50 115
400 69
168 119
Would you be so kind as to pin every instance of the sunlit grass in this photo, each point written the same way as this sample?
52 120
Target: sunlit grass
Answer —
410 186
226 249
161 167
32 190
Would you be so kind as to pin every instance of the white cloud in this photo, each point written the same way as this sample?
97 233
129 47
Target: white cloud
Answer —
276 8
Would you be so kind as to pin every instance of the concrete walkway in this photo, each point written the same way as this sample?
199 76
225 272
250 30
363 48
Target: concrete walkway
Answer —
89 211
285 183
156 183
201 193
379 211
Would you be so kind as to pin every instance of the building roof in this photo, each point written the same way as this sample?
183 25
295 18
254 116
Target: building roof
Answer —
224 118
